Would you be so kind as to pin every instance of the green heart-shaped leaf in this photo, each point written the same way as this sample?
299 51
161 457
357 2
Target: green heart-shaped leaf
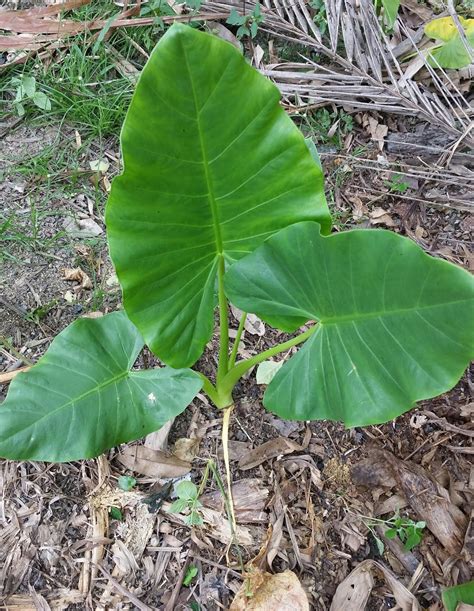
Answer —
81 397
395 325
213 166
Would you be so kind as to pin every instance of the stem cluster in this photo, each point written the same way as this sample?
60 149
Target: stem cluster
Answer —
229 371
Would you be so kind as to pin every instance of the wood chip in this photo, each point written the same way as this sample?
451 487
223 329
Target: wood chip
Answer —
353 593
7 377
271 449
153 463
280 592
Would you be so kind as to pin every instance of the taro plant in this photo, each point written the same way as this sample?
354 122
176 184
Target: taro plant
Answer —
221 200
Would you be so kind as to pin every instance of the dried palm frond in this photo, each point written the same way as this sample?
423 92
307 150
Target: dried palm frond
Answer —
367 73
440 187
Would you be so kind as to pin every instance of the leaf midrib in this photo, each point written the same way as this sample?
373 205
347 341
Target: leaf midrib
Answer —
210 189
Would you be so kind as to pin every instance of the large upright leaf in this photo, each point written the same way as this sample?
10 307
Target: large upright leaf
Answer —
212 167
395 325
81 397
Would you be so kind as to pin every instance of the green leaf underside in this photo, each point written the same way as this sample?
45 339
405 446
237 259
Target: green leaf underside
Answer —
213 166
395 325
81 397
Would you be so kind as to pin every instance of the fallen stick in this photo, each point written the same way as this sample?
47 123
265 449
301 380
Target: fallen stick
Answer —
6 378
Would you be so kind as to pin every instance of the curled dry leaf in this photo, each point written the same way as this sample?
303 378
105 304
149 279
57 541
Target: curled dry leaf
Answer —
379 216
58 600
249 501
77 275
353 593
253 324
216 526
136 532
272 449
350 533
96 314
359 208
186 449
153 463
284 427
99 165
417 421
123 559
296 464
219 29
467 411
280 592
219 528
237 450
69 296
158 440
84 228
376 130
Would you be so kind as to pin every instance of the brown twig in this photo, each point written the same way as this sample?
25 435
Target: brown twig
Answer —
131 597
170 605
7 377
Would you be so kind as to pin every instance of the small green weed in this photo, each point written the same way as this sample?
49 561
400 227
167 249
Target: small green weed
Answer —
87 91
26 93
319 17
187 499
407 530
387 10
188 496
326 127
126 483
98 298
36 315
248 24
158 9
191 573
116 514
396 184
